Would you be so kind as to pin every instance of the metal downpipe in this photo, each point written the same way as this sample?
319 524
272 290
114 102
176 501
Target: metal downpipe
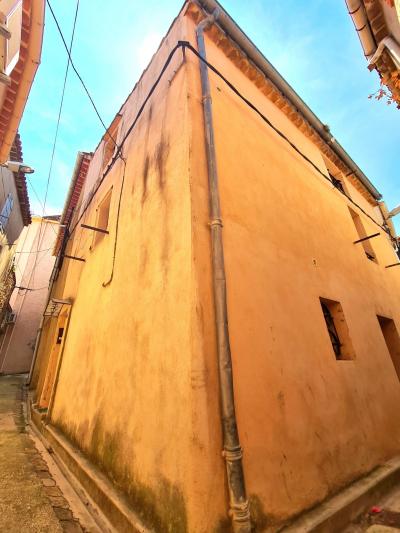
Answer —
232 451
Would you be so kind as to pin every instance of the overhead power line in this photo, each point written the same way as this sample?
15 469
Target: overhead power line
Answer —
34 252
54 142
186 45
77 73
60 108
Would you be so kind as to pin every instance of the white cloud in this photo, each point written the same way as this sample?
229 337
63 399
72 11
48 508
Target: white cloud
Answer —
146 48
37 209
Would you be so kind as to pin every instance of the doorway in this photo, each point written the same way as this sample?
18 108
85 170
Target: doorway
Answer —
54 359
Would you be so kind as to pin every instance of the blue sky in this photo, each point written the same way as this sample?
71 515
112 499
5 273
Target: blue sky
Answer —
312 43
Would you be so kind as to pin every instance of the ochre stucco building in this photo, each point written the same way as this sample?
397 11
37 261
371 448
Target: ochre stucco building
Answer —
33 263
21 33
229 227
377 23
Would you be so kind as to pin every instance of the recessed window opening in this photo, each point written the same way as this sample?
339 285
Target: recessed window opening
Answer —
103 213
367 246
338 184
337 329
60 335
6 211
392 340
109 139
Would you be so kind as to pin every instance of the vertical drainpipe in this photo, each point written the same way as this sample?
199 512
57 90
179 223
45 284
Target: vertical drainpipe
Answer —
232 451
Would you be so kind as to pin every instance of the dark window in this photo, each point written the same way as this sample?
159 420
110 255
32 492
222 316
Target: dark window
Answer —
392 339
338 184
60 335
6 211
333 334
337 329
368 250
109 139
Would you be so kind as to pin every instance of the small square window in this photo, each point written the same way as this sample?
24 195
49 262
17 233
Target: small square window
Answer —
337 329
103 213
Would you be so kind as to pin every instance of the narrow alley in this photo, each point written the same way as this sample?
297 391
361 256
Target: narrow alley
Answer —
30 498
199 266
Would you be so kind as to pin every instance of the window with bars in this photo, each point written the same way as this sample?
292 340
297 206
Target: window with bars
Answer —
333 334
6 212
338 184
337 329
392 340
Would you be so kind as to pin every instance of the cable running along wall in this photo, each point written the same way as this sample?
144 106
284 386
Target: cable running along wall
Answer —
185 45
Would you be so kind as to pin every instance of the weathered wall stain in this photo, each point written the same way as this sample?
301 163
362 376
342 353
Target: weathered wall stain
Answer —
162 509
160 158
145 175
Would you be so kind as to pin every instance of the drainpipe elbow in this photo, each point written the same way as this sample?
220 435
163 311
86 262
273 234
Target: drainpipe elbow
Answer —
207 22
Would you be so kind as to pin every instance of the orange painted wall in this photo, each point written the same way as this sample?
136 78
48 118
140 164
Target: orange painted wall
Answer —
140 354
308 423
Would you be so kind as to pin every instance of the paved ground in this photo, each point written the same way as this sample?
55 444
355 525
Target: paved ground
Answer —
35 496
383 517
30 500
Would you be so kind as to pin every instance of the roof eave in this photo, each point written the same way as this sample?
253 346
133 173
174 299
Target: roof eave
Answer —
229 26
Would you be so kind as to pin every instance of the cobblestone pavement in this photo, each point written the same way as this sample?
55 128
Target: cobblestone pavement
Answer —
30 500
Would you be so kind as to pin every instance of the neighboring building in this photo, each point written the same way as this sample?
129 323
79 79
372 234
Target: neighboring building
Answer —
33 264
14 215
21 33
133 365
377 23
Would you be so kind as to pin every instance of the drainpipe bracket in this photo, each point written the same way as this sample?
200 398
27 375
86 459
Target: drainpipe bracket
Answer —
234 454
208 21
216 222
240 512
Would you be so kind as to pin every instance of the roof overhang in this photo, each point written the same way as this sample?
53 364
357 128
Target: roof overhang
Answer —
77 182
22 75
377 24
320 132
20 182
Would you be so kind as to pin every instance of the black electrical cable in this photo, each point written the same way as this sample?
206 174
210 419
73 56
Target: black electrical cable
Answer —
55 138
118 151
280 133
106 283
60 108
186 45
77 73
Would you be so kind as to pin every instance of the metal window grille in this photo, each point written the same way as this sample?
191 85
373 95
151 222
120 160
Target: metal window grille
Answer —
338 184
6 211
333 334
